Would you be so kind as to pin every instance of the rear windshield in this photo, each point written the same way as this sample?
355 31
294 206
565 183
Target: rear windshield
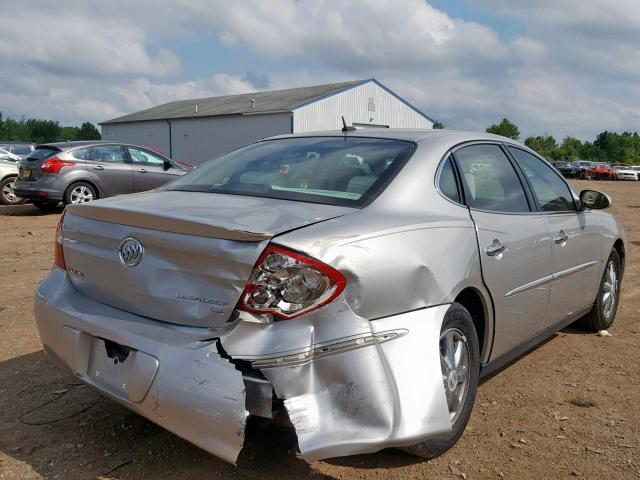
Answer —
333 170
42 153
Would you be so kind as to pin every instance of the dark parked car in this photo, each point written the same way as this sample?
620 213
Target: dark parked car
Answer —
567 169
582 166
78 172
21 149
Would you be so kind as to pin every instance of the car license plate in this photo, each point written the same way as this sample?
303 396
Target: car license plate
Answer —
26 173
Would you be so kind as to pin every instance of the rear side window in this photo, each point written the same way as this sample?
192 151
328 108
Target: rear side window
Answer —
108 154
79 153
333 170
42 153
551 191
447 182
490 181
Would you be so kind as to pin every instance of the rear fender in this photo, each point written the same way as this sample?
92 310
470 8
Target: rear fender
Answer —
378 387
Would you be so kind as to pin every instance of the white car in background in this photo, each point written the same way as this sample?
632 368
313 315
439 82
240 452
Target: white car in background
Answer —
8 156
8 175
626 172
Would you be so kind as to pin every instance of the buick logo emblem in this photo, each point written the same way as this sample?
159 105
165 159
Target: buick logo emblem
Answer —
130 252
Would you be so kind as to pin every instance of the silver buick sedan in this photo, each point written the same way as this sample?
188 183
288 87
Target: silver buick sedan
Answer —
356 283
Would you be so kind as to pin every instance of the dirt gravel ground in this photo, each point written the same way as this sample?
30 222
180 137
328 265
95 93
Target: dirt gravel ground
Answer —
569 408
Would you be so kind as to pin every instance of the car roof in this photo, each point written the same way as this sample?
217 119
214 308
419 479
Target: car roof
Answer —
73 144
442 136
414 135
15 142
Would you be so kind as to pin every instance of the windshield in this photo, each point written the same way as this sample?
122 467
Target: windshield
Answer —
22 149
333 170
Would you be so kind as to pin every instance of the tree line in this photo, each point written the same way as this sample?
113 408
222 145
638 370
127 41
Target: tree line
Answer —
608 147
43 131
611 147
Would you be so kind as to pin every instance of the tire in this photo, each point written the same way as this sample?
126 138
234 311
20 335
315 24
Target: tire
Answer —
603 314
79 192
46 206
459 321
7 196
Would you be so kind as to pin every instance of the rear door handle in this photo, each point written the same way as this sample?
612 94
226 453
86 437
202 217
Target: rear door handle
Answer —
98 167
142 170
496 248
561 238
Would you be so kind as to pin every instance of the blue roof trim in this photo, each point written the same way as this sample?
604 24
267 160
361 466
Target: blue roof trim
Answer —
341 90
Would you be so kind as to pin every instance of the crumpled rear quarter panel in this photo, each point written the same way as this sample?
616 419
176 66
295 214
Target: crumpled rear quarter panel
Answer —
385 391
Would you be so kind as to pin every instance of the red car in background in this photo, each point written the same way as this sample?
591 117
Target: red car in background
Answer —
600 171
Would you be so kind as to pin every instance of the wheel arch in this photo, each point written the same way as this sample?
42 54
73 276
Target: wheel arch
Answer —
8 175
618 246
480 306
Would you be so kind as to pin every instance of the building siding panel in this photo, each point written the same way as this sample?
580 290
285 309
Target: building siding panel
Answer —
149 134
197 140
354 104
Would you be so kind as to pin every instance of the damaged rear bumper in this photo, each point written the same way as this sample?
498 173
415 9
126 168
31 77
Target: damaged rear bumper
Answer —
377 386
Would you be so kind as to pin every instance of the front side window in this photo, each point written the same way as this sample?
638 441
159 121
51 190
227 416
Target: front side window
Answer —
490 182
108 154
551 191
144 157
332 170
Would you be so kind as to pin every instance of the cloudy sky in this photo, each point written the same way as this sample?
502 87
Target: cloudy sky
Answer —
563 67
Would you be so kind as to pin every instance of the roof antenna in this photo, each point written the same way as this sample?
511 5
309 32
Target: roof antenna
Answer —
346 129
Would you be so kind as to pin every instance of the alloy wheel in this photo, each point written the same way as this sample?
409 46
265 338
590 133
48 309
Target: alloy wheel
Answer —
9 194
454 362
81 194
610 290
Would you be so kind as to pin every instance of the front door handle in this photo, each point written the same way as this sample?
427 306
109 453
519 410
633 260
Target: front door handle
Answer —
562 238
142 170
98 167
495 249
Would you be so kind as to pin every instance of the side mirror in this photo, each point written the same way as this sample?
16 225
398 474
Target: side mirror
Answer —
595 200
167 165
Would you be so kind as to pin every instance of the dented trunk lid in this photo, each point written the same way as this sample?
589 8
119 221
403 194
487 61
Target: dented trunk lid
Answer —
199 250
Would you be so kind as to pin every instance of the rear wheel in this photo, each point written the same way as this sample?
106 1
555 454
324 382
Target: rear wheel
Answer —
7 194
79 192
605 307
460 366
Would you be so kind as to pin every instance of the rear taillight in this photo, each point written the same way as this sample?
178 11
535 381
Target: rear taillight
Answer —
288 284
54 164
58 256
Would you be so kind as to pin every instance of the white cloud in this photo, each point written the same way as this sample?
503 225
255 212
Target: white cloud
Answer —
572 69
82 45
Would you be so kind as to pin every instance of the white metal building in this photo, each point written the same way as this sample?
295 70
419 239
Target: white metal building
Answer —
197 130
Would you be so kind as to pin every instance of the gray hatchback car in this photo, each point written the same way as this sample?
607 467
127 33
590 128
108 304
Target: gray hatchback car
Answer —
78 172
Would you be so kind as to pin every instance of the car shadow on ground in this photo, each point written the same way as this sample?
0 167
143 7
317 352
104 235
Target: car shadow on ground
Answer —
63 429
60 427
27 210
